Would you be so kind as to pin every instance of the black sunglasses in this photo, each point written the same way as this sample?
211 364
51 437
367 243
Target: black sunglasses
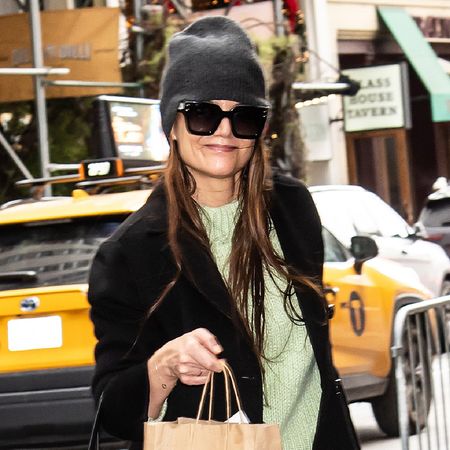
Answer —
203 118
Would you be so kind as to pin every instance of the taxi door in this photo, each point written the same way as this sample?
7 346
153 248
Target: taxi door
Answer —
359 333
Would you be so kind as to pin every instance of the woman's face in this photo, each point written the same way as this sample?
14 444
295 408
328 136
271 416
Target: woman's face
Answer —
219 156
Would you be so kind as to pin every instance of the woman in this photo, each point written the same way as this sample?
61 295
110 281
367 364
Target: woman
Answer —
223 261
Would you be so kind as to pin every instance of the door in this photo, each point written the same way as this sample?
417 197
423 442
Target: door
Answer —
379 161
359 333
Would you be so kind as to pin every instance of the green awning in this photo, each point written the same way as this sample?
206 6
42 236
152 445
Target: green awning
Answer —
422 58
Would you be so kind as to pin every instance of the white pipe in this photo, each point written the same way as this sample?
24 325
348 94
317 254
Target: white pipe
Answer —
35 71
329 87
319 39
56 167
77 83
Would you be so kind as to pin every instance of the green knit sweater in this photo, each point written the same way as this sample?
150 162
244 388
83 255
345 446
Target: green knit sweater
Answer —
292 389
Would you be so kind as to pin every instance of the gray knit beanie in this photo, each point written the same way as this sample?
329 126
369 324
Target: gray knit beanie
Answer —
212 59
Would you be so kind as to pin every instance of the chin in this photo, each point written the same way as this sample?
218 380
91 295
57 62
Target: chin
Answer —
220 174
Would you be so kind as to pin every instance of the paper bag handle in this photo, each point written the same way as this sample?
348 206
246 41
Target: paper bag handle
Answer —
209 385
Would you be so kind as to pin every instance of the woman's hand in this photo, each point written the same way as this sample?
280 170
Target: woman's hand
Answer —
188 358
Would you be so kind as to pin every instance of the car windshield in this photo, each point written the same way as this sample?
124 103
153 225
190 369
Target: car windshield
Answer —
51 252
347 213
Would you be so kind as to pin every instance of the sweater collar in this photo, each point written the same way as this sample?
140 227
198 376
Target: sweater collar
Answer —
220 221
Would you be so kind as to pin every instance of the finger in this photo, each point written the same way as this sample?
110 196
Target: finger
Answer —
186 363
208 340
194 381
193 349
204 358
189 369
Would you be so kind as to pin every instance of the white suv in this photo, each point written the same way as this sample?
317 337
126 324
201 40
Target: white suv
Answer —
351 210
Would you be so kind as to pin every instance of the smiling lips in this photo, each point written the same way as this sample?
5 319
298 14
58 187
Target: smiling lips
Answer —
221 148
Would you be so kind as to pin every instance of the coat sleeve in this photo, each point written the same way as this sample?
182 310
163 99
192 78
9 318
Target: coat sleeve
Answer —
117 315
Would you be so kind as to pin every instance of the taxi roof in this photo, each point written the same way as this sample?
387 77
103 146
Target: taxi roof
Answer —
80 204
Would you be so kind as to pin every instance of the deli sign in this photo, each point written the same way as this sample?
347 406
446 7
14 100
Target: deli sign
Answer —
381 101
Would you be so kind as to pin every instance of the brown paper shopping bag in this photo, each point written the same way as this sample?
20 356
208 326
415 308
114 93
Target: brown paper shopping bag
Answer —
196 434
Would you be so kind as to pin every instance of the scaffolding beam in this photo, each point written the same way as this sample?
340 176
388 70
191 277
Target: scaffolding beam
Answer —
39 89
14 157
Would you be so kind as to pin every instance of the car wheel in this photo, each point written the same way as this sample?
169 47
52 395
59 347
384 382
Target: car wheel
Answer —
385 407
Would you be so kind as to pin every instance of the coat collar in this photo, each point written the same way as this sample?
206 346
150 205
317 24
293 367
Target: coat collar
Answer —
201 270
199 266
298 228
155 210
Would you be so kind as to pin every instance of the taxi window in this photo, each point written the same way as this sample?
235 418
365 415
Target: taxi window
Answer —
60 252
334 250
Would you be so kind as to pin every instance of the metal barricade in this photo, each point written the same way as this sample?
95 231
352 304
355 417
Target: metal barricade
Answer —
421 350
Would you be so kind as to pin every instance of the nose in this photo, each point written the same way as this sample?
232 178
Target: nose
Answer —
224 128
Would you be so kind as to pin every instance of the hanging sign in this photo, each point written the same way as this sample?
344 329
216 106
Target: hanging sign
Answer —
315 131
85 40
382 101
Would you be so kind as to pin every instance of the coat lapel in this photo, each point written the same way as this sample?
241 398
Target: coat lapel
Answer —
287 230
201 270
155 210
294 233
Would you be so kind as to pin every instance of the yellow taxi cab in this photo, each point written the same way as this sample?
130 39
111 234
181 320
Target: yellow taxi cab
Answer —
47 340
366 291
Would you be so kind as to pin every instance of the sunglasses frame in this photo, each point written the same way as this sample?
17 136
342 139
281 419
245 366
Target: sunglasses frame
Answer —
185 106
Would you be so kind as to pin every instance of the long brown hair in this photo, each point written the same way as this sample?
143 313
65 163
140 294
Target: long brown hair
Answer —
252 251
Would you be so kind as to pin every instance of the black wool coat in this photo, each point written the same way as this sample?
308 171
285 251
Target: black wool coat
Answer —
129 272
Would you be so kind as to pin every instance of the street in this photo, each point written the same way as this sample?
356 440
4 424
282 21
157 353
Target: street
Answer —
370 435
374 439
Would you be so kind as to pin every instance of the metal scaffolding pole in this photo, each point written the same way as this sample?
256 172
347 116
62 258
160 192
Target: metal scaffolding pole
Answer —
139 38
39 88
21 166
278 16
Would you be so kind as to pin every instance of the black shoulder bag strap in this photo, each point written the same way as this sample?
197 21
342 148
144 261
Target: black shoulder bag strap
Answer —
94 440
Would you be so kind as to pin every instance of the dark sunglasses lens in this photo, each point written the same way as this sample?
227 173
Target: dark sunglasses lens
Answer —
248 121
203 118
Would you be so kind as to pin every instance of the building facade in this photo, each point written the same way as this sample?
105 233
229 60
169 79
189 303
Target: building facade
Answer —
400 162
